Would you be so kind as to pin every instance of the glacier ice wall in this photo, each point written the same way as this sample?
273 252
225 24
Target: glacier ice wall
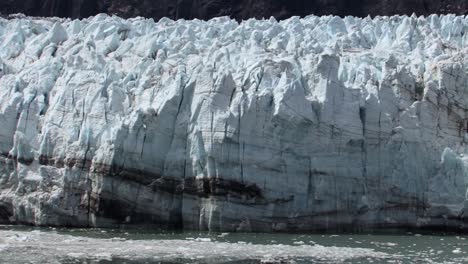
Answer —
299 125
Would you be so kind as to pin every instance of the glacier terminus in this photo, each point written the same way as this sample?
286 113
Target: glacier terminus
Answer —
304 124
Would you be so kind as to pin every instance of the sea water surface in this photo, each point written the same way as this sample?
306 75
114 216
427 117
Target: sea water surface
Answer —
53 245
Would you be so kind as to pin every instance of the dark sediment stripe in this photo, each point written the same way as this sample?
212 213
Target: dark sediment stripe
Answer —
6 211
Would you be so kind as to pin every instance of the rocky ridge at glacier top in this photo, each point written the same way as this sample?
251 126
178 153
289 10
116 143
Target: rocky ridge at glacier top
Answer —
298 125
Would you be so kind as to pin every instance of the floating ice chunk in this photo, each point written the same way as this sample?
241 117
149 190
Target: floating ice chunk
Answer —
202 239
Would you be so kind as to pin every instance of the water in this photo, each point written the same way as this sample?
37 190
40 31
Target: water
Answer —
50 245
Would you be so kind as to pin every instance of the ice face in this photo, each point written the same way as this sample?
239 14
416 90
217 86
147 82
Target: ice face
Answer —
302 124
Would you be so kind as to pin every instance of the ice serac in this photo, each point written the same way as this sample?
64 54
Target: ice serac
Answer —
319 123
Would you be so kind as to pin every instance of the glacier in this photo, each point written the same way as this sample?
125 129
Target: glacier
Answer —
305 124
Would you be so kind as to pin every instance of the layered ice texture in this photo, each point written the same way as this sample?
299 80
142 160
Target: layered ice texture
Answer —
320 123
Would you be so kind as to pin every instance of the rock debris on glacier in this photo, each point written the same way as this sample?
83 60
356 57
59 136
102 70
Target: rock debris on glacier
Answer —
299 125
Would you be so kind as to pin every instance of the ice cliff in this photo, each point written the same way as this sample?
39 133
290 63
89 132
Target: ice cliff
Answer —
299 125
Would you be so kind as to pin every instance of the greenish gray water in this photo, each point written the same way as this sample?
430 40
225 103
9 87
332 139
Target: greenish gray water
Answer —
39 245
